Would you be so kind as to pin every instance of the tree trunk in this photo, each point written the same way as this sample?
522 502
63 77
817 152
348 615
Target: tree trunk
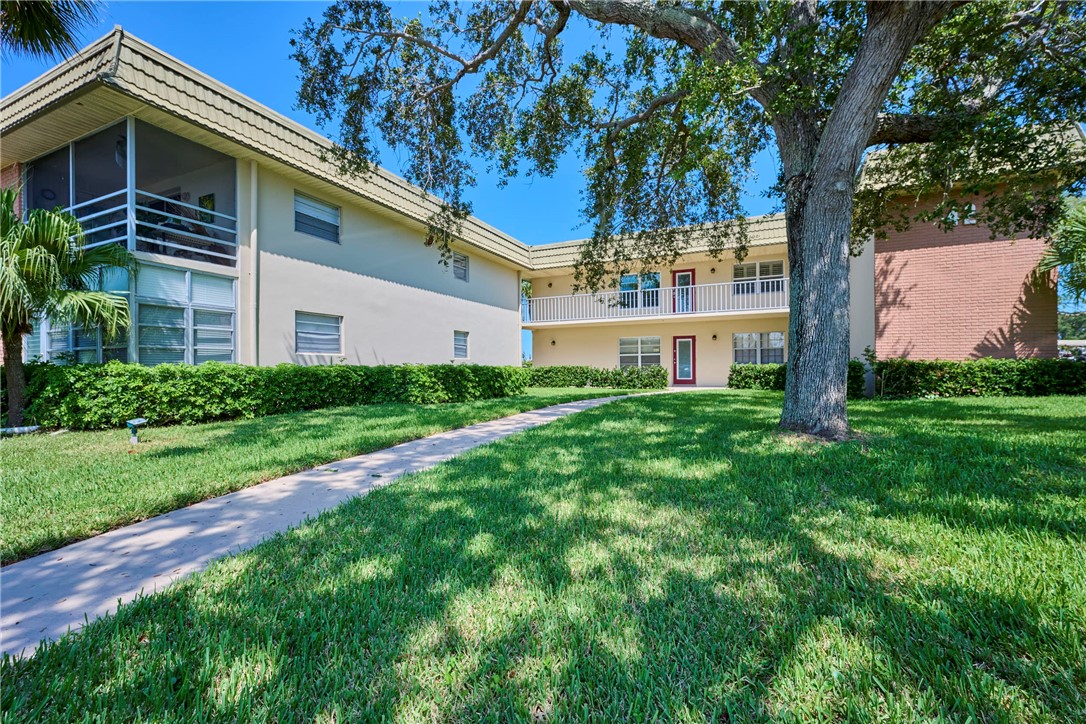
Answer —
16 378
819 224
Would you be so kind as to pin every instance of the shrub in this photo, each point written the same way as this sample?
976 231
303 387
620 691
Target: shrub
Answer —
979 378
771 377
88 397
633 378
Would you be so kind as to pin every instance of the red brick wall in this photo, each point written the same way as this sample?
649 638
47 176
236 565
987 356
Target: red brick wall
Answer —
10 177
961 295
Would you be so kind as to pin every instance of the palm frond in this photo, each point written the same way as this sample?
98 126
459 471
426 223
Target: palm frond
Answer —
91 309
42 29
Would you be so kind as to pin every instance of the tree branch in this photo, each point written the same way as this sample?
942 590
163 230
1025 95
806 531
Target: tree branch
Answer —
662 100
904 128
693 28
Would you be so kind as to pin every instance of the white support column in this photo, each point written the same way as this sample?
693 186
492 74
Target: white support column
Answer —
254 263
130 204
130 180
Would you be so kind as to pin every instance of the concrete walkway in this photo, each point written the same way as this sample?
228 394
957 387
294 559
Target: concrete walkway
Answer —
45 596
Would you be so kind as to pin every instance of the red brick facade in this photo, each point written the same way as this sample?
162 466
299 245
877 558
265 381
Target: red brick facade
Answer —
961 295
12 177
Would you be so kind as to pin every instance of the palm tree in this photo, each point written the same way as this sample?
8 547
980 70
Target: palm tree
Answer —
1067 251
43 28
46 273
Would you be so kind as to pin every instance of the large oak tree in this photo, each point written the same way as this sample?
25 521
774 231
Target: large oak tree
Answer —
668 109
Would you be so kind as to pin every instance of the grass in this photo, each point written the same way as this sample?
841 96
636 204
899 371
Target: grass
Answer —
75 485
669 557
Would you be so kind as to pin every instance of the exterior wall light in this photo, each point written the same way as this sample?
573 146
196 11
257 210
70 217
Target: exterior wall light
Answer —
712 270
553 343
134 428
714 337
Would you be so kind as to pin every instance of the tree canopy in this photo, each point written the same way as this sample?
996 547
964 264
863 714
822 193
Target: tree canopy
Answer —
669 108
881 114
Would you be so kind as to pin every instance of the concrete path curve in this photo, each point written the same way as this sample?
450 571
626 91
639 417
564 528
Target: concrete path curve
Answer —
45 596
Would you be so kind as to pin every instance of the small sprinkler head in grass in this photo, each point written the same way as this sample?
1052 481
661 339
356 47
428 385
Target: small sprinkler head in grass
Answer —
134 426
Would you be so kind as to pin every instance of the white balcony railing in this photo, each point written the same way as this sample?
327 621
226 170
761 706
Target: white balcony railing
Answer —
160 225
762 295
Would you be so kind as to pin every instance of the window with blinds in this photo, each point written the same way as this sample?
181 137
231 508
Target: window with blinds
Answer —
318 333
762 276
460 345
62 342
639 352
316 218
460 266
184 316
758 348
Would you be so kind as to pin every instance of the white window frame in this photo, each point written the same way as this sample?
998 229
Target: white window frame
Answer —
642 296
763 279
641 354
460 266
456 344
339 334
319 203
763 346
44 352
190 309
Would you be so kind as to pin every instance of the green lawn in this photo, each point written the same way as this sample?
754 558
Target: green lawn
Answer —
667 557
63 488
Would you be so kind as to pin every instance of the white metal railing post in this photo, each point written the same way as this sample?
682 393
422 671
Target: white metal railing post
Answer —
130 180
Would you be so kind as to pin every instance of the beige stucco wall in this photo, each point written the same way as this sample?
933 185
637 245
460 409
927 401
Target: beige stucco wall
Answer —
398 303
597 345
861 310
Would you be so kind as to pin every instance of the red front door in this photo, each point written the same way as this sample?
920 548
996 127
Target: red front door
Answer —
683 370
683 284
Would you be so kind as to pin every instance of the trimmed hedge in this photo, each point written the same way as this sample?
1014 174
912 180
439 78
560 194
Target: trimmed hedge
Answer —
979 378
771 377
941 378
632 378
90 397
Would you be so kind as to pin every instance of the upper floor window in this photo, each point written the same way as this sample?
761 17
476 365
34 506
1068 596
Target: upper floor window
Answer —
639 290
761 276
318 333
316 218
460 266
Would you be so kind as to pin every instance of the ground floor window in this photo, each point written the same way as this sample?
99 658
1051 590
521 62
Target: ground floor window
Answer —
758 348
639 352
460 345
184 316
318 333
63 343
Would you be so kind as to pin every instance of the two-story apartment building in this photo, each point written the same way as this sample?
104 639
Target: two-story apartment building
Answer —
254 249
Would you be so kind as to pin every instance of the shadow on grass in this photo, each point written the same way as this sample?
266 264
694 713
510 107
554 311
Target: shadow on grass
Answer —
669 557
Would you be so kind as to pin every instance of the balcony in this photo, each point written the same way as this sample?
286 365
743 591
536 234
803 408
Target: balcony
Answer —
700 300
144 188
163 226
